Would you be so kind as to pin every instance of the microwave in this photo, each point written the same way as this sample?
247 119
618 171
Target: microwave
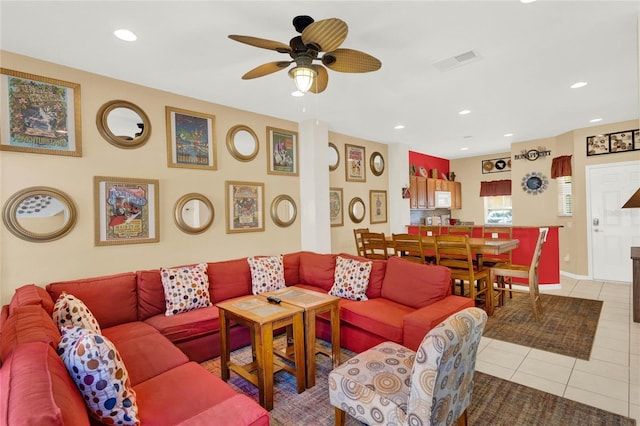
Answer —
443 199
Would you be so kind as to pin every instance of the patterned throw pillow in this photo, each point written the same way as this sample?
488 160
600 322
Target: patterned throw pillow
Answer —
185 288
69 337
267 273
94 364
69 311
351 279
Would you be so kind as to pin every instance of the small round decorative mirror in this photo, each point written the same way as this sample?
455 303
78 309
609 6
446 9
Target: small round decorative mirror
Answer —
39 214
283 211
334 157
376 162
356 210
534 183
123 124
242 143
193 213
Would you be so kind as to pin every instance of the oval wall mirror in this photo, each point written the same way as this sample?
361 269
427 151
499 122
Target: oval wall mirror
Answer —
334 157
242 143
356 210
283 211
376 163
39 214
193 213
123 124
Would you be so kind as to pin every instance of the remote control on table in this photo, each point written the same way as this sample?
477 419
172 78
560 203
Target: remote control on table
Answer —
273 299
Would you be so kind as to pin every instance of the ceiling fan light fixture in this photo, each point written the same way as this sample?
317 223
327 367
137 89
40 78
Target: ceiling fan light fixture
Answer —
303 77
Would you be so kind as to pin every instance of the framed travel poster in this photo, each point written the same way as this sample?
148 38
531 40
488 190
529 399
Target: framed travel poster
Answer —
126 210
282 155
244 206
355 167
39 115
191 139
378 206
336 213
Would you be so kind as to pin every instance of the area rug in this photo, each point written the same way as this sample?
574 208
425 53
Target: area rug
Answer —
495 401
568 324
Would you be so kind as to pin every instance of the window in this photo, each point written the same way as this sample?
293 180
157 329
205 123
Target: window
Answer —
565 199
497 210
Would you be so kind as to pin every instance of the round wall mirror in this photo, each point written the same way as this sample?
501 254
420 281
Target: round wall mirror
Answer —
39 214
123 124
242 143
334 157
283 211
356 210
193 213
376 162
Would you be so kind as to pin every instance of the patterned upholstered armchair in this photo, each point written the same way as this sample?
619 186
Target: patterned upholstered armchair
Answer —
392 385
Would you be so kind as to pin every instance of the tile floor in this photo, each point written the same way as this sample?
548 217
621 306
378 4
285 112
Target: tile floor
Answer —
610 380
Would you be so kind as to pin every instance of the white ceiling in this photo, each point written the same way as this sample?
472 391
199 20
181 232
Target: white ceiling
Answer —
530 55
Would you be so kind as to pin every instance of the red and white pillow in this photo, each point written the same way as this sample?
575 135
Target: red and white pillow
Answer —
351 278
267 273
185 288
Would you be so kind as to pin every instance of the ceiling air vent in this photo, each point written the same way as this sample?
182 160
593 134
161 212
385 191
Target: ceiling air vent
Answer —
457 60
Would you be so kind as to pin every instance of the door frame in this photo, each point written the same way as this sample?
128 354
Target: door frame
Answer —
589 216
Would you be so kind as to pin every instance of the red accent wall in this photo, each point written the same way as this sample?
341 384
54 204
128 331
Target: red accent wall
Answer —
429 162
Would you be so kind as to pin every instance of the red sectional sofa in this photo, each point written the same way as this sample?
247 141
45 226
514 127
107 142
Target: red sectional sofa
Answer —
161 353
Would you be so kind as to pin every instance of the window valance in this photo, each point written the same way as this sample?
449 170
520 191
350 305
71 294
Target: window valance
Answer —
495 187
561 166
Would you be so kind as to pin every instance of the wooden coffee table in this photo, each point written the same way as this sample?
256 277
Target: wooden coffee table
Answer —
262 318
313 303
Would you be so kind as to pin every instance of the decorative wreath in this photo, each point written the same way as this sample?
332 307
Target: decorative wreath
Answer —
534 183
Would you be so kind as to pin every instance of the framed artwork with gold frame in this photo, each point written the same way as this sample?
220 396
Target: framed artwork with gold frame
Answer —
244 206
378 206
336 211
282 152
355 163
191 139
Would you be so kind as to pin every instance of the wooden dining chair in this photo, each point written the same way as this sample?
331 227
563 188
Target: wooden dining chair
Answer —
499 272
409 247
357 234
454 252
375 245
461 230
429 248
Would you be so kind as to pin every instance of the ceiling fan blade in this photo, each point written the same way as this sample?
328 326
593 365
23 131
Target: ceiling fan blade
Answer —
327 34
349 60
262 43
266 69
321 80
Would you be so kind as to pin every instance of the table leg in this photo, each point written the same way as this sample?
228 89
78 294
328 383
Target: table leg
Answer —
298 342
310 346
335 334
224 345
264 359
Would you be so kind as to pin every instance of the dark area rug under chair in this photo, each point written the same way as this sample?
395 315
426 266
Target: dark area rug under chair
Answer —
495 401
567 326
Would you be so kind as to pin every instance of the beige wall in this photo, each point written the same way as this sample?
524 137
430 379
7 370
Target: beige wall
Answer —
76 256
541 209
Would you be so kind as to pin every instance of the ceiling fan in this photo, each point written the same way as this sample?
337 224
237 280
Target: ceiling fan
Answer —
323 36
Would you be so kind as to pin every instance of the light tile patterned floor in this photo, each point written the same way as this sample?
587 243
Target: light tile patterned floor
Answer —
610 380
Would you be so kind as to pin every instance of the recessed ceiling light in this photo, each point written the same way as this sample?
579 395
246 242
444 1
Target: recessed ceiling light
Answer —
467 137
125 35
578 85
465 112
399 127
297 94
527 1
464 148
507 135
595 120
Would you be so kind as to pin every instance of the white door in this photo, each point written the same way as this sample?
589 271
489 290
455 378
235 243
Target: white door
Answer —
613 230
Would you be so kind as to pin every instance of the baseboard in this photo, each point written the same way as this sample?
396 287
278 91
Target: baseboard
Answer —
576 277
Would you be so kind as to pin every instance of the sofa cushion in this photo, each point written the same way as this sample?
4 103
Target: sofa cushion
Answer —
415 285
37 390
378 269
197 391
29 323
144 351
185 288
378 316
150 294
228 279
317 269
69 311
94 364
267 273
112 299
31 294
186 325
351 278
291 262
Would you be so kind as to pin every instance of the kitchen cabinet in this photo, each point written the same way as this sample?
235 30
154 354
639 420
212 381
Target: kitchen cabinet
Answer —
456 194
413 192
422 192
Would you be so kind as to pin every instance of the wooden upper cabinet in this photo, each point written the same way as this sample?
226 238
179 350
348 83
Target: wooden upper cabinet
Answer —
422 192
413 191
431 193
456 195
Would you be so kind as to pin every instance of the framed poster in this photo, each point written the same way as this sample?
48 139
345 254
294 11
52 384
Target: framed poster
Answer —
597 145
378 206
621 141
244 206
355 170
39 115
336 212
126 210
282 155
191 139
